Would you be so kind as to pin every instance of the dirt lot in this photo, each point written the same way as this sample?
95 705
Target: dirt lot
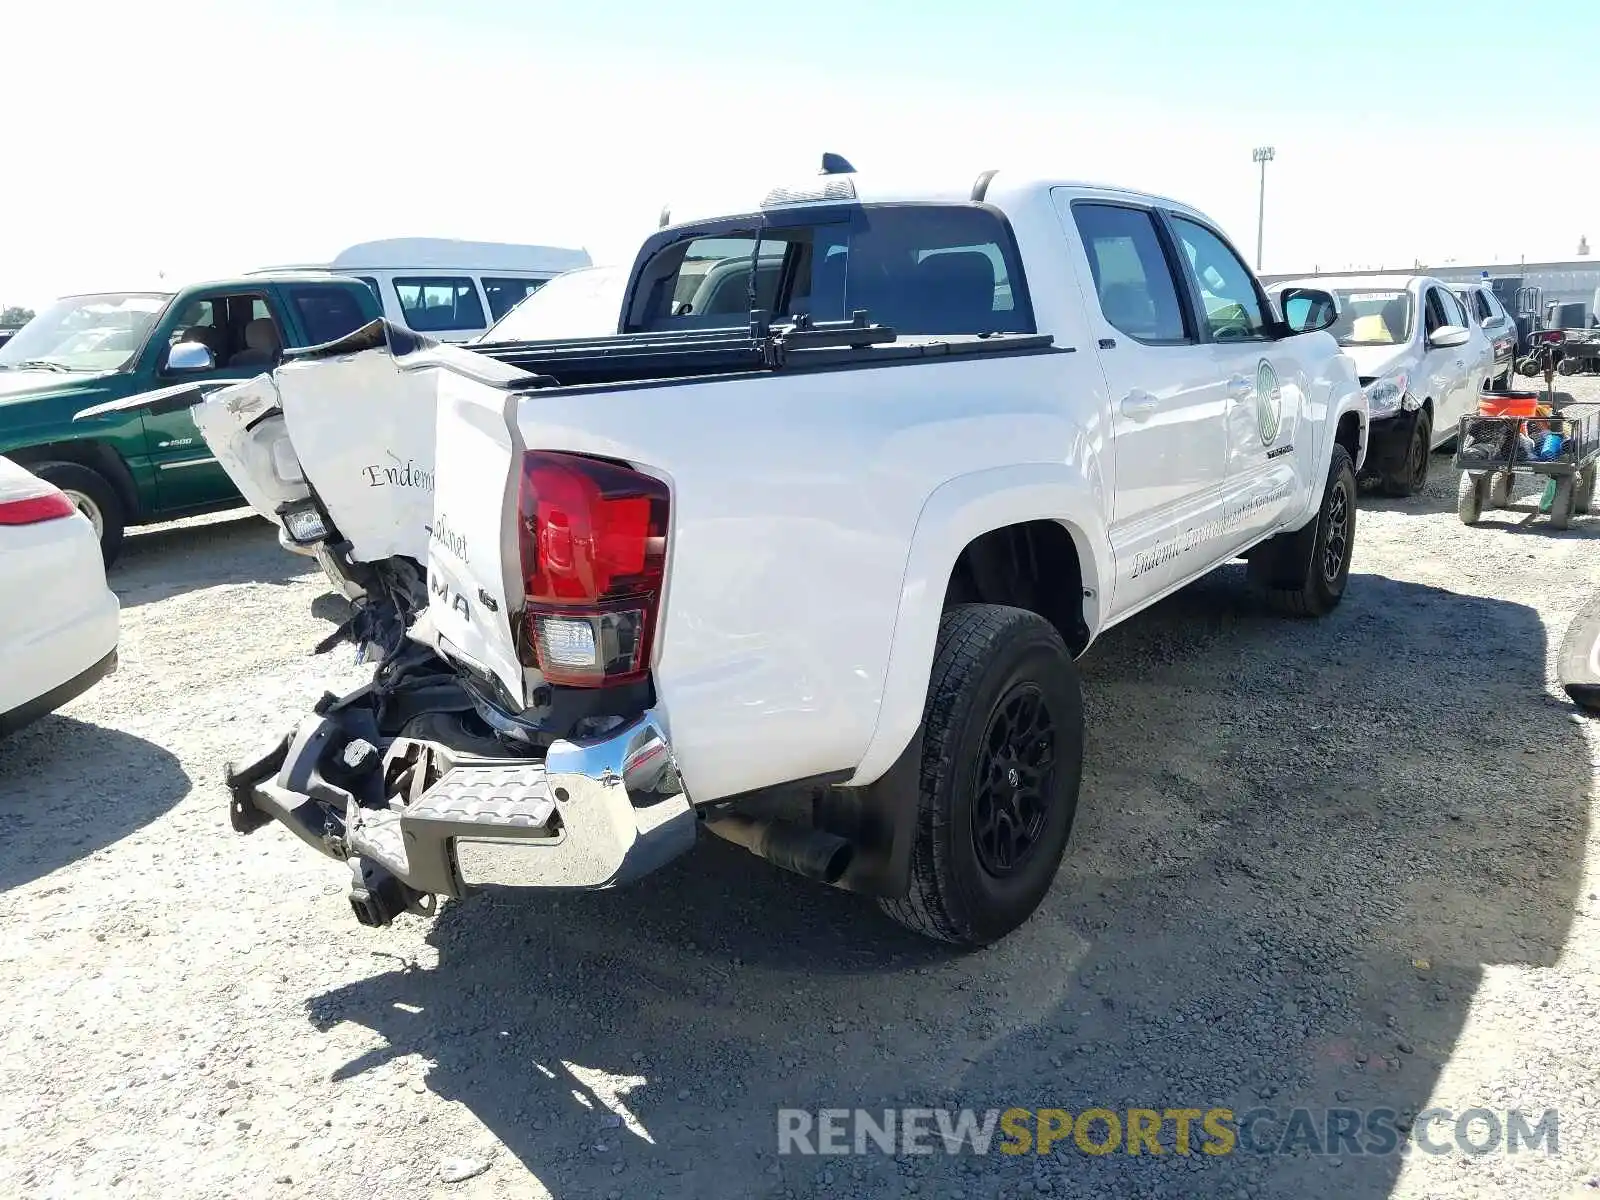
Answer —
1345 863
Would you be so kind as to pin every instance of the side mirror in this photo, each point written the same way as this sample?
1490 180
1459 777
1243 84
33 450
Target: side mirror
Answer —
1307 310
1447 337
190 356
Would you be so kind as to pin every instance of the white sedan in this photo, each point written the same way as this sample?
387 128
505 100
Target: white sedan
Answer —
58 619
1421 359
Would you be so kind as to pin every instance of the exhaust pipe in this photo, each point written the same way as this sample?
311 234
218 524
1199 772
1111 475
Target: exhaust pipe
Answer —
814 853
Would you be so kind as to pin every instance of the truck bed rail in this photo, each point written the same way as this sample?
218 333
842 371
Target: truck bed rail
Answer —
762 346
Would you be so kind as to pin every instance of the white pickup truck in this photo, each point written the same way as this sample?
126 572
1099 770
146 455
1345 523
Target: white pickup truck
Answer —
803 556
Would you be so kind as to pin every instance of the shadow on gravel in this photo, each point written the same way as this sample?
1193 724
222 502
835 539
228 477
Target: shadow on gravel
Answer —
1284 889
1438 493
332 607
170 560
65 793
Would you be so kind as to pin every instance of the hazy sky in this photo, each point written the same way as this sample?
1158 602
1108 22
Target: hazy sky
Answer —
203 139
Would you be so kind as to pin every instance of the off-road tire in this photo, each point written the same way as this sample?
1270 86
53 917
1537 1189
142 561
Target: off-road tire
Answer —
1291 568
1471 494
1406 473
87 486
984 655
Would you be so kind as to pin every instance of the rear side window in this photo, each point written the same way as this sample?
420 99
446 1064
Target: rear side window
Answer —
1133 279
506 294
920 269
377 293
326 313
439 303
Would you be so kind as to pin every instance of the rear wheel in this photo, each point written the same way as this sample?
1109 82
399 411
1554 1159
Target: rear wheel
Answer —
1583 497
1471 493
1304 573
92 495
1001 761
1561 504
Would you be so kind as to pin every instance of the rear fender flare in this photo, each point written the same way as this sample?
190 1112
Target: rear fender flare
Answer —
958 511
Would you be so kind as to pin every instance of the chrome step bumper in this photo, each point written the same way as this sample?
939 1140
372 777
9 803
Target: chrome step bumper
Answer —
594 813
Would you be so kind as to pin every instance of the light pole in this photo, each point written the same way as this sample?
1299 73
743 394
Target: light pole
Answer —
1262 155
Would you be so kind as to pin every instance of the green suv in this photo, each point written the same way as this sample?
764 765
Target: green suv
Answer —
130 468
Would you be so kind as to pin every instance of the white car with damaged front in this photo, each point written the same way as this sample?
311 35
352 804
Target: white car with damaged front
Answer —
1421 359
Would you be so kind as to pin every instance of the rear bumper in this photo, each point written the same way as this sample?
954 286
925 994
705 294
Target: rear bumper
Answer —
593 814
26 714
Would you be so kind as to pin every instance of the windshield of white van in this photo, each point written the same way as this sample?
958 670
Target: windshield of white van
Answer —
920 269
85 333
582 303
1373 318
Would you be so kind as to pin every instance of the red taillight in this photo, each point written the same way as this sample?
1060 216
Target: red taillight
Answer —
30 510
594 550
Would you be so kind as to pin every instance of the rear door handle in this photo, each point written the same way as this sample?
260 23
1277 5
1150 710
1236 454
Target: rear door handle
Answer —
1138 406
1239 388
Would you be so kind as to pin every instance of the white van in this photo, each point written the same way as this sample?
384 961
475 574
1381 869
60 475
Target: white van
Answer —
447 289
582 303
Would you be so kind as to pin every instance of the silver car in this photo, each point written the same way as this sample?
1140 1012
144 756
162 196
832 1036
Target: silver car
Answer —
1498 325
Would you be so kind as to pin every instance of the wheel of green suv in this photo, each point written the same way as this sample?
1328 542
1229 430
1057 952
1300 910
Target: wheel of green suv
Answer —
1001 761
92 495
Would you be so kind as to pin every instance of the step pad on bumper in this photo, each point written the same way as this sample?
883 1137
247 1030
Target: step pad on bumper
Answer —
496 796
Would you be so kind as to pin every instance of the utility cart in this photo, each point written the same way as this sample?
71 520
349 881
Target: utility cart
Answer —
1564 447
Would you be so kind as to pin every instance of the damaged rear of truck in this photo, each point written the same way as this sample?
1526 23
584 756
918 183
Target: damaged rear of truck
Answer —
801 557
623 590
509 553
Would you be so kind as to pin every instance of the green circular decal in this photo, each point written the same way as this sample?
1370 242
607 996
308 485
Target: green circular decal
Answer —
1269 402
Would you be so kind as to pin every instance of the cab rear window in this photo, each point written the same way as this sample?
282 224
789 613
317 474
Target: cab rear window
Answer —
920 269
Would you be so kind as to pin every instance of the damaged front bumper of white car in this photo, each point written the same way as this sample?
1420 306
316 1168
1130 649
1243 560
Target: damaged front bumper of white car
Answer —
417 818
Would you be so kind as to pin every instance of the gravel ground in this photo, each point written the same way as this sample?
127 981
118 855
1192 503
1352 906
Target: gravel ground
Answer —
1344 863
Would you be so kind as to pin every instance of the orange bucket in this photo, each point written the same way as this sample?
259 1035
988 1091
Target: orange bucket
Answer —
1508 404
